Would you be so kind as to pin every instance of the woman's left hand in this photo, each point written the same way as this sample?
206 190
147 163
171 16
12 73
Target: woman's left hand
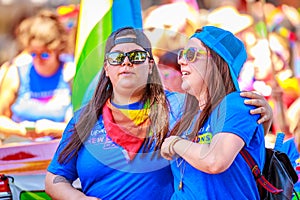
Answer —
167 150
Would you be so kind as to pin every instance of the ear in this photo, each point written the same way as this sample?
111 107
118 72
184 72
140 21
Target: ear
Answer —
151 64
106 69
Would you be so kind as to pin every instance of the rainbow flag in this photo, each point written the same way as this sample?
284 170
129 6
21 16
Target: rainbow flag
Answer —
97 19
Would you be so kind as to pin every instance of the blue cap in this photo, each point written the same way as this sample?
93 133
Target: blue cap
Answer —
226 45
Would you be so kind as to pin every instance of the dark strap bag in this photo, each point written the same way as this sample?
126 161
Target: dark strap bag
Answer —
278 177
280 173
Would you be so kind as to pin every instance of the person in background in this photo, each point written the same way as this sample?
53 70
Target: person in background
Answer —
292 147
273 54
35 94
112 144
169 70
216 124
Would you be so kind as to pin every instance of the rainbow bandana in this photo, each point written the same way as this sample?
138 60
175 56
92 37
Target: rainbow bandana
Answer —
127 126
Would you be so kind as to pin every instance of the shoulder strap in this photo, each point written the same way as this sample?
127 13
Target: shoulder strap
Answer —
259 177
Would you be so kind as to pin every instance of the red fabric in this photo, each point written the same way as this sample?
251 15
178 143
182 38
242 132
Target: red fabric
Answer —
120 134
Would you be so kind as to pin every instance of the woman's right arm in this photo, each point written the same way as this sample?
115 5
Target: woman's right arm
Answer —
58 187
8 94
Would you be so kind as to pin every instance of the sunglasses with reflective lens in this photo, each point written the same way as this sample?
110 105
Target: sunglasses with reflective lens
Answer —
135 57
191 54
43 55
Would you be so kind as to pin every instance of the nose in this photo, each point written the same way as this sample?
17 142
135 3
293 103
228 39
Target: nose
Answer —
182 61
126 62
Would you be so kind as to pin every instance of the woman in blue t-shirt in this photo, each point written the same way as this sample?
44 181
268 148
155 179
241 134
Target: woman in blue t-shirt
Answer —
216 123
112 144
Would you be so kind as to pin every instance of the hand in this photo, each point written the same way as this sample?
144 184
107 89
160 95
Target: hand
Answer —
27 128
262 106
37 129
43 127
167 150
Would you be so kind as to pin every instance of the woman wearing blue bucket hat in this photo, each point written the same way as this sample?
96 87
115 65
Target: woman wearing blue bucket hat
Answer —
216 123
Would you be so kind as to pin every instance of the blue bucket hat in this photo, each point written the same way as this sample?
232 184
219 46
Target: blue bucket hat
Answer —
226 45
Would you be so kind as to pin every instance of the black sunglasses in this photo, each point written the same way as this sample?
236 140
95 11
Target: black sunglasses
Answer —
135 57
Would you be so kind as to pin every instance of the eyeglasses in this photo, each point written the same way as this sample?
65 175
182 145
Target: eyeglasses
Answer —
43 55
191 54
135 57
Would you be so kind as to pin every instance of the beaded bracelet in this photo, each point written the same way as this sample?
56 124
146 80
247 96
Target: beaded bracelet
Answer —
172 143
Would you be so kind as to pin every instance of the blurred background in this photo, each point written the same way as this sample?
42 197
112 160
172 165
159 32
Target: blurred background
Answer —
270 30
14 11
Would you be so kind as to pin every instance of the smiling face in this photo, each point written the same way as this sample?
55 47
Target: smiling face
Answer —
129 80
194 74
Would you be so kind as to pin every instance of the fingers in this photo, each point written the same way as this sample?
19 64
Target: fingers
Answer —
164 152
251 95
259 110
255 102
265 114
263 119
255 99
262 106
165 155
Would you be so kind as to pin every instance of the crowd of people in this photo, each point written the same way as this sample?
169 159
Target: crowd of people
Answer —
168 118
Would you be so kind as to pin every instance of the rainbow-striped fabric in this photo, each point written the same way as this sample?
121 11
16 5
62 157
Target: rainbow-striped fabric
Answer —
97 19
127 125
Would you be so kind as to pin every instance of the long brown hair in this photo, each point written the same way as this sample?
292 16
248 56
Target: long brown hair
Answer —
154 93
220 84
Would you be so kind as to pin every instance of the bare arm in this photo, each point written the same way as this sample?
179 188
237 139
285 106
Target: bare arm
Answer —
8 95
59 188
210 158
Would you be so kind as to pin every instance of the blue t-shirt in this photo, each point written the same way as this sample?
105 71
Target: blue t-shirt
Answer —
105 172
290 149
237 182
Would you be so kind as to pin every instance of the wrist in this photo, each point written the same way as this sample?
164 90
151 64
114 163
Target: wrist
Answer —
172 143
